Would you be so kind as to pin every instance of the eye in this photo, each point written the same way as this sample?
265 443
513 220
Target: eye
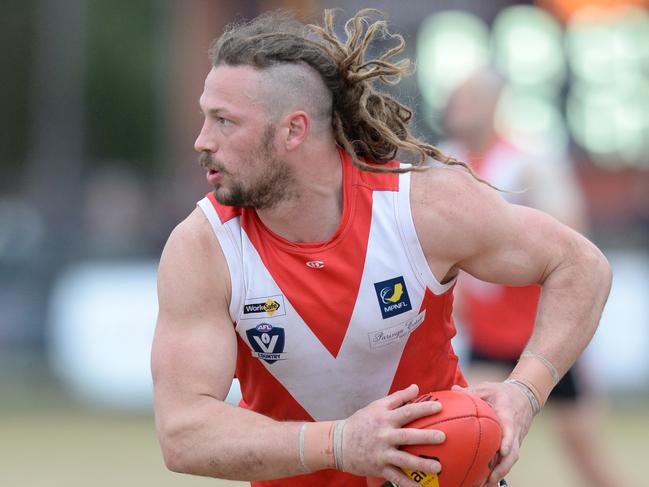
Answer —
223 121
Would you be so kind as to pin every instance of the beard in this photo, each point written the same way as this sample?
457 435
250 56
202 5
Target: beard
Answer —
270 185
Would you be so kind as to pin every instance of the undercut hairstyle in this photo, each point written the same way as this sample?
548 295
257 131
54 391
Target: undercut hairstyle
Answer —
366 122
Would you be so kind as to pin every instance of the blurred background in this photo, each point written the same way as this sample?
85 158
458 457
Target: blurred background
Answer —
97 166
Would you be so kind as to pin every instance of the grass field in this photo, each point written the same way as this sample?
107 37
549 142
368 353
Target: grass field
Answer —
48 443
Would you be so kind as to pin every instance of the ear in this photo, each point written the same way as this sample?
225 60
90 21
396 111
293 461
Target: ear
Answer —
298 124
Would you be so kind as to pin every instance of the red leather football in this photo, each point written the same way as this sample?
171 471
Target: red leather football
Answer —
473 437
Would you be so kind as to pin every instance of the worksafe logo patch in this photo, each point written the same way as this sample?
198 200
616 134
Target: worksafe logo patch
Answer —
393 297
266 307
267 342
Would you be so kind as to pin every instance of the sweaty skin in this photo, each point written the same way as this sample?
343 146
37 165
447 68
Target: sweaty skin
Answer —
462 225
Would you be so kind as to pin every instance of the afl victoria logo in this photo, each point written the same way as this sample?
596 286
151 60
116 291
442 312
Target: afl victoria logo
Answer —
315 264
267 342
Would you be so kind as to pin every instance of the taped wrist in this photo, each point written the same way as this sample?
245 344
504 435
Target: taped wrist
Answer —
537 375
300 448
338 444
320 445
534 402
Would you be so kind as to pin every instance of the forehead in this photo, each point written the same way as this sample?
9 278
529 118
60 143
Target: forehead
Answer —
234 88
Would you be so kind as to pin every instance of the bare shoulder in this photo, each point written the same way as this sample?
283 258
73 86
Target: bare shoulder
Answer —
450 189
450 210
194 231
192 264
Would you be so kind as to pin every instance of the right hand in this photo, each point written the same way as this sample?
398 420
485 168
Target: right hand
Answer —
515 414
372 437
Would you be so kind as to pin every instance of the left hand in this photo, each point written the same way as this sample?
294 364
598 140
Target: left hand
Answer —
515 413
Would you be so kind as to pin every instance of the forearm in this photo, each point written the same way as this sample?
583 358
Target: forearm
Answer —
572 299
211 438
216 439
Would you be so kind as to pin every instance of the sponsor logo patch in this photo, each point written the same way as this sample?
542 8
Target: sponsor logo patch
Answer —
393 297
427 479
267 307
267 342
400 332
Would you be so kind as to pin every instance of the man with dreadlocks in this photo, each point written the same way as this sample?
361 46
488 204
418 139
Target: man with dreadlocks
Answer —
320 272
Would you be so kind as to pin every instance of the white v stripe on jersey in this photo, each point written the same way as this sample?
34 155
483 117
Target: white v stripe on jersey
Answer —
359 373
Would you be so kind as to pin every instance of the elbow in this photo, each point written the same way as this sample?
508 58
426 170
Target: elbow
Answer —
607 274
181 454
604 271
173 460
175 453
599 268
172 455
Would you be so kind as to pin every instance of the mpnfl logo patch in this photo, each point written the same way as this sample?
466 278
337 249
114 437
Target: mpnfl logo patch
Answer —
267 342
393 297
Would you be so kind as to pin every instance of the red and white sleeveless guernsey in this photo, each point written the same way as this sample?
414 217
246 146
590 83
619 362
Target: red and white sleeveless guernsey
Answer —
324 329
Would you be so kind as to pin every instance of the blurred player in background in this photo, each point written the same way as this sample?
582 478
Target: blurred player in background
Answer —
316 272
498 320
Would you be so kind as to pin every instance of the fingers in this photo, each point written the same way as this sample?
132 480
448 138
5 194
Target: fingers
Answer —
472 391
413 462
414 436
410 412
396 476
507 441
399 398
504 466
508 451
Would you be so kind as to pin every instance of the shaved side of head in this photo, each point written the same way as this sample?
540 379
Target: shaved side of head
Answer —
285 88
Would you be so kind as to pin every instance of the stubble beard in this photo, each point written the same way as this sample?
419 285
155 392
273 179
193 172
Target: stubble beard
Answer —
268 187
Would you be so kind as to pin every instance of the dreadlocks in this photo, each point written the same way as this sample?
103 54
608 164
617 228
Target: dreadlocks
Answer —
366 122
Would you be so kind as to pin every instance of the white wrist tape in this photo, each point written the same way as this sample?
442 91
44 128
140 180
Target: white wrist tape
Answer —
338 444
537 374
553 370
531 397
301 447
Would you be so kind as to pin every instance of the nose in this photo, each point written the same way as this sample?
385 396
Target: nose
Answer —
205 142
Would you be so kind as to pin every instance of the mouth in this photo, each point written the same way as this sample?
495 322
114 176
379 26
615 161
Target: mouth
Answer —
213 176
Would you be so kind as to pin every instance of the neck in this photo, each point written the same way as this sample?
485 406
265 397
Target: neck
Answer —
314 211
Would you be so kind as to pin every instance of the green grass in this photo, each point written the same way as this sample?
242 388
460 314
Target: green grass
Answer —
622 440
80 448
58 446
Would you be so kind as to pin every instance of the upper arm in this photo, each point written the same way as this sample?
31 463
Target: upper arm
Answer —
517 246
194 348
465 225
